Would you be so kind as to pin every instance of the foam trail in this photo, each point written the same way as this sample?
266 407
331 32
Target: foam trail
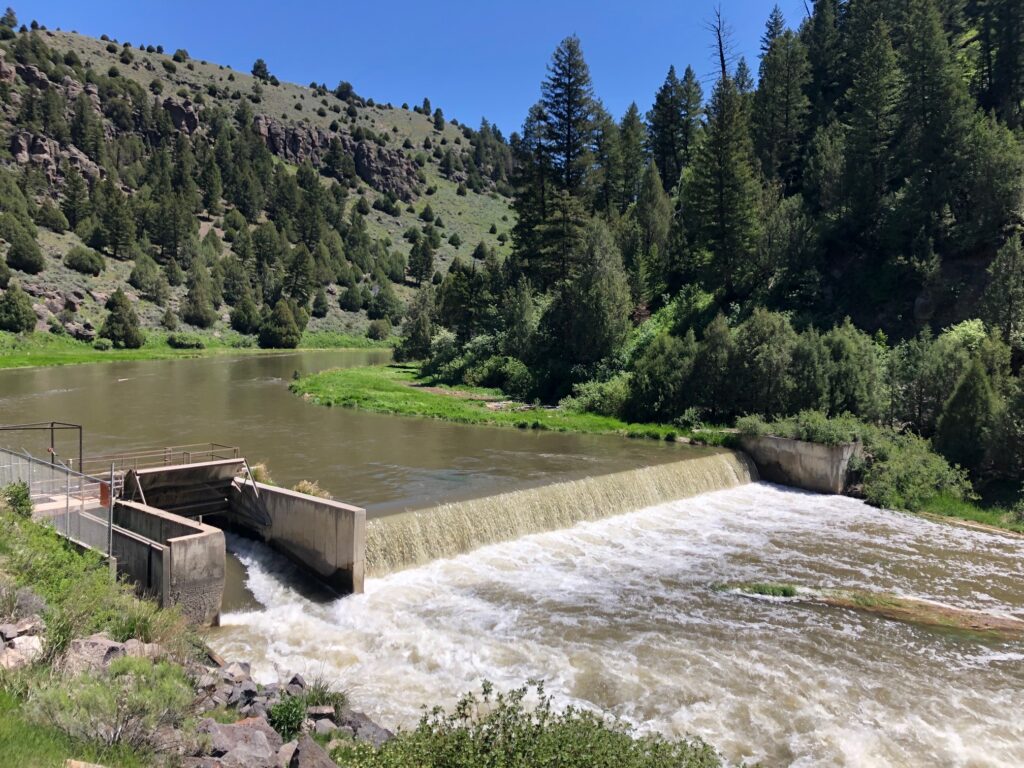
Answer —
620 615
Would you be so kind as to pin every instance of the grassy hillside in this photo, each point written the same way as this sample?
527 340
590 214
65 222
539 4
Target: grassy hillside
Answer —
476 211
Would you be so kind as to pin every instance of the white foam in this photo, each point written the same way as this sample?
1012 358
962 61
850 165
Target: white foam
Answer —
621 615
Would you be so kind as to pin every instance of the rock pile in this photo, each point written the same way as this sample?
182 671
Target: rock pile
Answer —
22 643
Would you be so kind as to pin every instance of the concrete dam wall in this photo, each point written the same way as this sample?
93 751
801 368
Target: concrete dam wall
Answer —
799 464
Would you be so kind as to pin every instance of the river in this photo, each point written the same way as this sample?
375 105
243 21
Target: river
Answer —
620 614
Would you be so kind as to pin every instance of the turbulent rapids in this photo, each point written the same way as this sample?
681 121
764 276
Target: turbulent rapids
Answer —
414 538
627 615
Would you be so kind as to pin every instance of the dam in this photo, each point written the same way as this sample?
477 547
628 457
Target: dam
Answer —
621 614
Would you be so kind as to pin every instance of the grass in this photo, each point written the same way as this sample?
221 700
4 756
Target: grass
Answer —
397 390
45 349
768 590
28 745
992 516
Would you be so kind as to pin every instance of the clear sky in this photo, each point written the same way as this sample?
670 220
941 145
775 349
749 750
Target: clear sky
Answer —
472 58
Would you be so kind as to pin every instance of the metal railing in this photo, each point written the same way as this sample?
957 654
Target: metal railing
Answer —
75 504
157 457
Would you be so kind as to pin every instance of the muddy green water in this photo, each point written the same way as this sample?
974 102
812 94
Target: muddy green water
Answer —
383 463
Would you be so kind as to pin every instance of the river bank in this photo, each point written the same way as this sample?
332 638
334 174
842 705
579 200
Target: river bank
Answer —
44 349
397 390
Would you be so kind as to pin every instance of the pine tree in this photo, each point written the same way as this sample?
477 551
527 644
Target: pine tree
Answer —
279 329
824 50
654 216
773 29
118 224
299 277
607 179
122 324
666 124
872 127
568 100
1004 298
198 309
75 204
722 196
260 70
631 143
781 108
421 261
967 420
1008 64
933 125
418 327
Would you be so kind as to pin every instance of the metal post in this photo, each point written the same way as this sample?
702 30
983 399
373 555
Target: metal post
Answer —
53 455
67 505
110 514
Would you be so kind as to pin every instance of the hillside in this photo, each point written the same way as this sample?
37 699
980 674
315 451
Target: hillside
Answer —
378 168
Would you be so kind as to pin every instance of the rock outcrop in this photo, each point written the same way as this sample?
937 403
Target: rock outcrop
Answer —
183 115
386 170
48 154
21 643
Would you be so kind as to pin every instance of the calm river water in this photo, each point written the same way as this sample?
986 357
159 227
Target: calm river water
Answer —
620 615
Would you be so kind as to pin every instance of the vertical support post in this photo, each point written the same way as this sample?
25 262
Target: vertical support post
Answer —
81 457
53 455
110 514
67 505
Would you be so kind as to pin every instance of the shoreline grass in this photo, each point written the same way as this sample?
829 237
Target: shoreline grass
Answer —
397 390
38 350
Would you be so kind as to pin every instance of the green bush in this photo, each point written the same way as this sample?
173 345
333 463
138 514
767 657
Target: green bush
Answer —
50 216
84 260
17 498
379 330
24 254
103 345
128 705
287 716
502 730
185 341
121 326
16 313
606 398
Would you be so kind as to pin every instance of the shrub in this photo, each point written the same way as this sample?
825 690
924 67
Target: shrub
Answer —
17 498
311 488
379 330
16 313
129 705
84 260
103 345
279 330
607 398
287 716
50 216
122 324
503 730
24 253
185 341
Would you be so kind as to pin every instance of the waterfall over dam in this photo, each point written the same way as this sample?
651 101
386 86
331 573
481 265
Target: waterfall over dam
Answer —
413 538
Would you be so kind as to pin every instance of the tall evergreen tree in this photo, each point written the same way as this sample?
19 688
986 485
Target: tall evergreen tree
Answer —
824 50
568 98
1008 63
674 123
781 107
608 175
967 420
721 199
631 142
872 126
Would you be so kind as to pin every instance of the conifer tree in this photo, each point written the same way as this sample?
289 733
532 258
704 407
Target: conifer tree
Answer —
75 204
824 51
967 420
631 143
872 126
279 329
1004 298
421 261
122 324
722 196
198 309
118 224
568 99
781 109
607 181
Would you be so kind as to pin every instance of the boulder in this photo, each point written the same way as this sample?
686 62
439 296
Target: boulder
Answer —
324 727
7 72
32 625
243 693
236 671
182 114
32 76
364 728
12 659
91 654
143 650
244 744
309 754
29 646
319 713
284 754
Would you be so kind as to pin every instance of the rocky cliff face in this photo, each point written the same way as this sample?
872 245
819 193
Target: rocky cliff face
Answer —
386 170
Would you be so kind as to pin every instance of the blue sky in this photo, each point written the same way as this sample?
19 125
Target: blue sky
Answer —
472 59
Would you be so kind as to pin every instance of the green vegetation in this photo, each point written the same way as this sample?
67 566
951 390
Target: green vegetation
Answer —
895 608
398 390
28 744
502 729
